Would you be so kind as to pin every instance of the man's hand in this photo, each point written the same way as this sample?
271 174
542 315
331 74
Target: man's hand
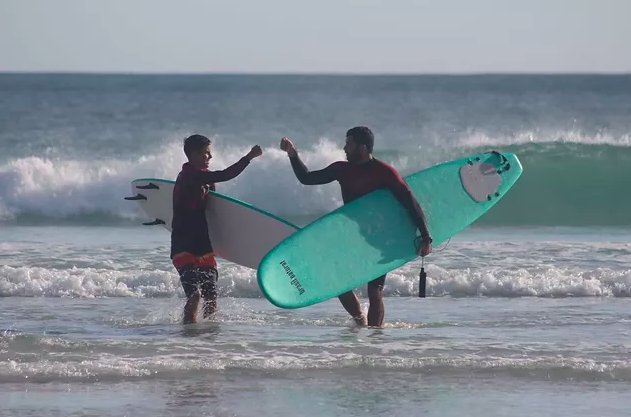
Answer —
288 146
425 247
255 152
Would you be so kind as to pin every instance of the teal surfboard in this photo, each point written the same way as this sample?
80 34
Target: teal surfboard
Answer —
374 234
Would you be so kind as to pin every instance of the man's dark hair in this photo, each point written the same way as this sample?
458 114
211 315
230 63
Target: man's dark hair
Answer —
195 143
362 136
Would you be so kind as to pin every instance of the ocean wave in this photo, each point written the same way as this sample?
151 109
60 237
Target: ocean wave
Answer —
545 281
572 180
111 368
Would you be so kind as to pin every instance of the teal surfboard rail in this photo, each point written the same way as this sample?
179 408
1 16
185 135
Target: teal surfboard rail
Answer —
374 234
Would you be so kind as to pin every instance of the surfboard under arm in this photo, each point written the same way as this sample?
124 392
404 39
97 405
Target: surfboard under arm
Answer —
374 235
240 232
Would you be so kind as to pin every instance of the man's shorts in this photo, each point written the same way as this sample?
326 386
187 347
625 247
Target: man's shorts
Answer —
202 278
377 282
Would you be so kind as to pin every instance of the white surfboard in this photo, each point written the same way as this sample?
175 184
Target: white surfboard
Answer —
239 232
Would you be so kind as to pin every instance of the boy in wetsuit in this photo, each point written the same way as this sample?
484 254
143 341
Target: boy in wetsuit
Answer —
358 177
191 249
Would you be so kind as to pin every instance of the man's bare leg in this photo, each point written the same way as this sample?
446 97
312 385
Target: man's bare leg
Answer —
350 302
376 309
190 308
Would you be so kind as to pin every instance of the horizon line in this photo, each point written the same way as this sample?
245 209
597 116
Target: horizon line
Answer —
332 73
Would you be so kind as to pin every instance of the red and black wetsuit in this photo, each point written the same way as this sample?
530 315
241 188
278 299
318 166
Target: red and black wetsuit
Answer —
357 180
190 244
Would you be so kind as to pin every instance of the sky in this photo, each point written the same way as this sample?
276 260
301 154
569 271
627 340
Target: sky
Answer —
317 36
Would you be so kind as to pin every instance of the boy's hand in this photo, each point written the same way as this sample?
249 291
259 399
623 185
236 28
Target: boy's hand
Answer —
255 152
288 146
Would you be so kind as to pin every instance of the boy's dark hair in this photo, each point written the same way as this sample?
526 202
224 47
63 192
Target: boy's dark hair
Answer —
362 136
195 143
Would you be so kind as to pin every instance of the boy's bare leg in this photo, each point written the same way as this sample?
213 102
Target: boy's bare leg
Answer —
210 306
190 308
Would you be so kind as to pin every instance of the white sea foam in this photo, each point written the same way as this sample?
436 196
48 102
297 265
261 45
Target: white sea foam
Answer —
239 282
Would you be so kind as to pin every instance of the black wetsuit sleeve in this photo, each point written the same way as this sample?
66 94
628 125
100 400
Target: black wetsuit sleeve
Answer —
402 192
207 177
322 176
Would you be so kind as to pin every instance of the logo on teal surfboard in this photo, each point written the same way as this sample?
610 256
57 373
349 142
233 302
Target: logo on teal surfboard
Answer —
294 281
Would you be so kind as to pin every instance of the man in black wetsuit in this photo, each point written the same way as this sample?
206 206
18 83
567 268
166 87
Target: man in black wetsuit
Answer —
191 249
358 176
